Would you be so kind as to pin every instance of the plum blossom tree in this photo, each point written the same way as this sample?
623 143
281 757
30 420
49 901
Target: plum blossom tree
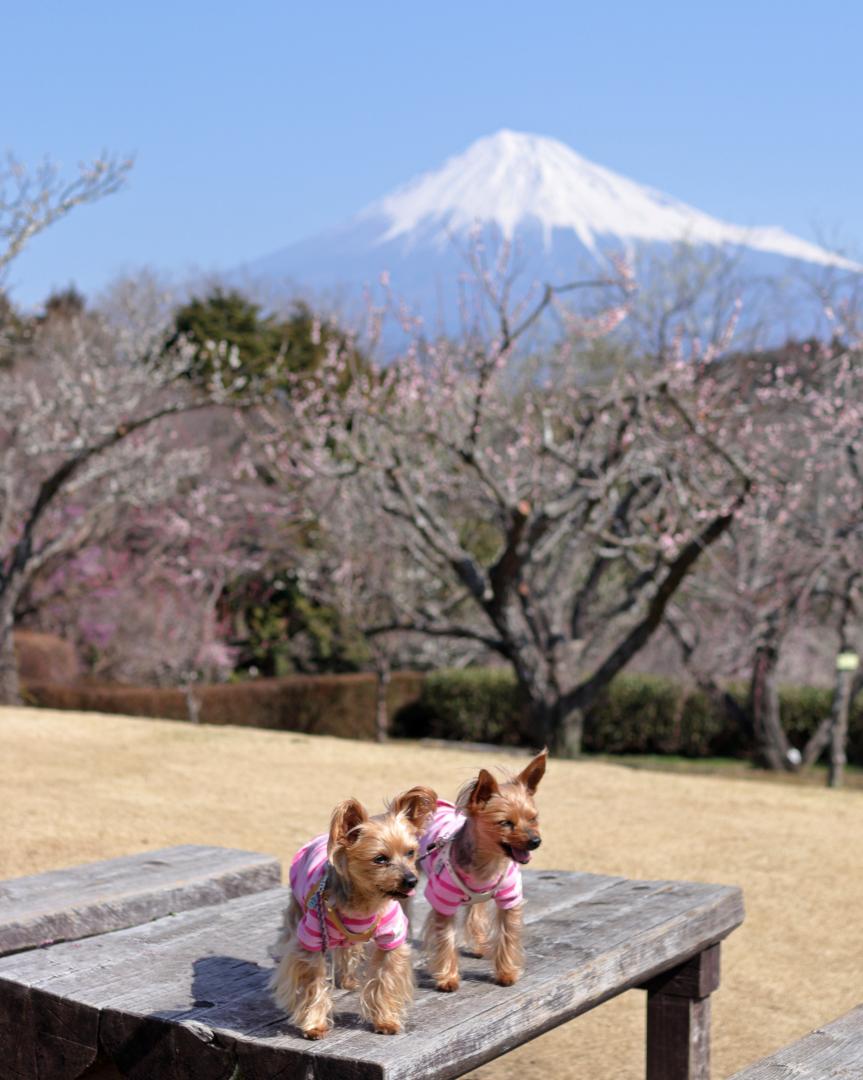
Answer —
89 433
793 556
557 516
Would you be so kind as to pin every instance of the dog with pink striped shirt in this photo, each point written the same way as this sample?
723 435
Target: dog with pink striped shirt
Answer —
471 853
347 891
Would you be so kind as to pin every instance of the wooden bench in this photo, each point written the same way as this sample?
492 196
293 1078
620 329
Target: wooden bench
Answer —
184 997
834 1052
65 905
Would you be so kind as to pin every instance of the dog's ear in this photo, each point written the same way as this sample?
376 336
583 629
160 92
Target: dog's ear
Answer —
483 789
417 805
534 772
343 826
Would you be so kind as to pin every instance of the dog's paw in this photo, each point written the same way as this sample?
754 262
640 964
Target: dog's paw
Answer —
315 1032
506 978
448 986
388 1027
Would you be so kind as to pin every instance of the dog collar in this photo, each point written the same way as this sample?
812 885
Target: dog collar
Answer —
472 896
317 901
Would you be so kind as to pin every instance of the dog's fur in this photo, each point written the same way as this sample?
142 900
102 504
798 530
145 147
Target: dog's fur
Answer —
364 887
502 823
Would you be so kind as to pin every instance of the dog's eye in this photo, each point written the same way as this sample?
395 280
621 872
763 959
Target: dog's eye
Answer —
410 854
381 860
507 824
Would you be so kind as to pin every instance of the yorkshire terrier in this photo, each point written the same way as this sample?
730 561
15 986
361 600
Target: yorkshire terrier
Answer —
471 853
346 892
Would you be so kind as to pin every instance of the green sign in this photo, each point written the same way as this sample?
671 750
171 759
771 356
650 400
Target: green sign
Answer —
847 661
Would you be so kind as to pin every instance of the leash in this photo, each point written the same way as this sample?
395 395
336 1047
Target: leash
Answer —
435 846
317 902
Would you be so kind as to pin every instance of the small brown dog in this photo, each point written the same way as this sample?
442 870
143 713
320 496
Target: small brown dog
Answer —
471 852
346 890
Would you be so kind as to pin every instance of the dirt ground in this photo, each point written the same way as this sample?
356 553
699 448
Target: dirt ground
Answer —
77 787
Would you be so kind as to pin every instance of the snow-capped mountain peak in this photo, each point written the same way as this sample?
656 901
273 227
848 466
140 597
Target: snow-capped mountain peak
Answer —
564 215
511 179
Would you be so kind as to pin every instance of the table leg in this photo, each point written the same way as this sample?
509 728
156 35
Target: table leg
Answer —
678 1019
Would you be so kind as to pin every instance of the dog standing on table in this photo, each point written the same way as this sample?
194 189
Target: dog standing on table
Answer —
346 889
471 853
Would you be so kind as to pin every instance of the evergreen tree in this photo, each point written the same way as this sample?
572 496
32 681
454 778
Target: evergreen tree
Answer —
66 303
14 330
230 332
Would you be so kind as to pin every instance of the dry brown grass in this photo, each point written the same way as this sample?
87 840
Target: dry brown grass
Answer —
77 787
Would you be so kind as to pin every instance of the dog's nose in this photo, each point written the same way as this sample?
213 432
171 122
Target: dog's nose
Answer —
410 880
534 842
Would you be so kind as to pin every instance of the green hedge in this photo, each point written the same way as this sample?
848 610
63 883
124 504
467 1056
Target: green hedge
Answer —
636 714
646 714
803 708
473 704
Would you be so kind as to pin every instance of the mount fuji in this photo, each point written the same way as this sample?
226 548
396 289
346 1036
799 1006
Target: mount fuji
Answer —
561 214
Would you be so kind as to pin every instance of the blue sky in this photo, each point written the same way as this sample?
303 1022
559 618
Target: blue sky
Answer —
257 124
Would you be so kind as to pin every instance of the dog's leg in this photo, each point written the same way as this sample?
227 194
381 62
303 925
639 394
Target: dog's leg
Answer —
347 962
299 985
440 950
388 988
508 952
477 929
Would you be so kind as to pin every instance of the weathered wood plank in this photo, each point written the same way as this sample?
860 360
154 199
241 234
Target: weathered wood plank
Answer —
201 992
832 1052
74 903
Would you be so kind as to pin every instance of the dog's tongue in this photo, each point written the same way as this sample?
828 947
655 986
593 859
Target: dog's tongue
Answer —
521 855
410 892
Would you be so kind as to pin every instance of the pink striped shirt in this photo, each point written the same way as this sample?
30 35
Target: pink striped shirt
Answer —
444 894
307 868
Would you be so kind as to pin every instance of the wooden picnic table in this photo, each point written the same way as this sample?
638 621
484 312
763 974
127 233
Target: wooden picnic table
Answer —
183 997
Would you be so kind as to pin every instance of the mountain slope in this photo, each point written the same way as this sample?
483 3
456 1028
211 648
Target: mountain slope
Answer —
560 212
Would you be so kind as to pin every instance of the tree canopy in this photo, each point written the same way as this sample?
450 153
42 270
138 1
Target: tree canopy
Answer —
232 334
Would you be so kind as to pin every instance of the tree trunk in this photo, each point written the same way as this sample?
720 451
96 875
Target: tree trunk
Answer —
555 726
771 743
534 675
10 690
540 727
847 664
839 726
382 717
193 705
819 738
569 732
